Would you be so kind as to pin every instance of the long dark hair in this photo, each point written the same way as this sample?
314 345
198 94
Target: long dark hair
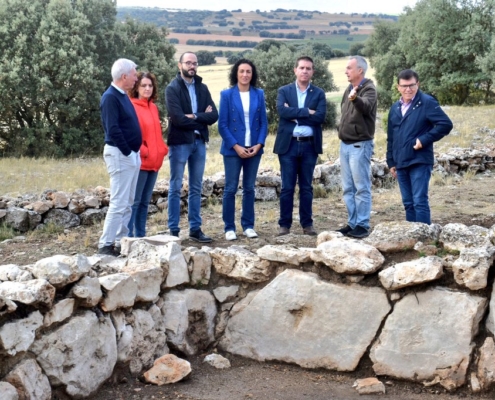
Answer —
235 69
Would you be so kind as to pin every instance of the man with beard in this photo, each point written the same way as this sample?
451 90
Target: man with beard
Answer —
190 110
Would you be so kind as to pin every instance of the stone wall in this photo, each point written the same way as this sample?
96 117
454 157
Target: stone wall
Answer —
414 299
86 207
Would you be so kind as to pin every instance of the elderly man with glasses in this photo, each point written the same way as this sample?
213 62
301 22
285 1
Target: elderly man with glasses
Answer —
191 110
415 122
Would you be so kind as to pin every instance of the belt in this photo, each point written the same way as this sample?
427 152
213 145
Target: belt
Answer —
302 138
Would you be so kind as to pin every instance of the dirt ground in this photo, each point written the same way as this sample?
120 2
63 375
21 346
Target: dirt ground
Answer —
466 200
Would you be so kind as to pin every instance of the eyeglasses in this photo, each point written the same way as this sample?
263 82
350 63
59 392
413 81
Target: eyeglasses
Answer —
190 64
411 86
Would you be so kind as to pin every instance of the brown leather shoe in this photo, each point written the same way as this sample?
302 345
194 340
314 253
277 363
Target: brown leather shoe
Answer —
309 230
283 231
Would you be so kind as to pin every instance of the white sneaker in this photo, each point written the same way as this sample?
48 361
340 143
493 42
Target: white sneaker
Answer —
230 235
250 233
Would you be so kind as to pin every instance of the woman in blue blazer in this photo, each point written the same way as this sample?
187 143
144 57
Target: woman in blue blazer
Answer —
243 126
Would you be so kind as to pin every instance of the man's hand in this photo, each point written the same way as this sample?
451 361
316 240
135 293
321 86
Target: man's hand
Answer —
418 145
393 171
353 94
311 112
209 109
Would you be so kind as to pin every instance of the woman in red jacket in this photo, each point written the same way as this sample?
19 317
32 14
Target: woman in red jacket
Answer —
153 149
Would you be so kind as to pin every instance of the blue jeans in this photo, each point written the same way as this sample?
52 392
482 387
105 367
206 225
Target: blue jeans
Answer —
233 166
298 164
144 190
355 169
194 155
413 184
123 173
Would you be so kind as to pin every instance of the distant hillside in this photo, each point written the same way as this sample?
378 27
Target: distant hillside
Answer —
337 30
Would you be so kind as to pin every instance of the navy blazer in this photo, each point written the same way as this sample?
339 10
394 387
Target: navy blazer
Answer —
424 120
231 123
315 100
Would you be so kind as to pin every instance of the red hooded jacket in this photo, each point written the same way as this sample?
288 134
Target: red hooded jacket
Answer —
153 149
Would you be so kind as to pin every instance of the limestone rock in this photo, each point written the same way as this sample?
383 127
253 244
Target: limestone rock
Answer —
121 291
168 369
92 202
91 216
217 361
369 386
415 272
456 237
76 206
29 380
472 266
80 354
429 337
348 256
59 199
35 291
326 236
22 220
8 391
262 193
486 364
239 263
62 218
226 293
148 279
39 206
189 317
397 236
59 312
88 290
18 335
199 266
11 272
61 270
490 321
298 318
287 254
6 306
156 240
178 272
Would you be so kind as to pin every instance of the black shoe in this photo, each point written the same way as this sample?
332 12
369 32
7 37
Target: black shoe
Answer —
108 251
174 233
359 232
199 236
309 230
345 230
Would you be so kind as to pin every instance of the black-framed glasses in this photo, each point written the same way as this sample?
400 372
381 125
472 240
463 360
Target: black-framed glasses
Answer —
411 86
190 64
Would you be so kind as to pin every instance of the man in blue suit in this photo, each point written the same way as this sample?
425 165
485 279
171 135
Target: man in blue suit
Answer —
415 122
302 108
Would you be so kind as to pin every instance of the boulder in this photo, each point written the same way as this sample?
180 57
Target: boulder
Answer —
81 354
35 291
217 361
91 216
456 237
472 266
8 391
120 291
22 220
348 256
415 272
298 318
61 270
29 380
226 293
486 364
398 236
168 369
88 290
19 335
199 266
59 312
61 218
11 272
239 263
189 317
287 254
429 337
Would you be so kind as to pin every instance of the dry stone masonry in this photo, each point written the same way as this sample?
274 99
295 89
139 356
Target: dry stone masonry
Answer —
67 322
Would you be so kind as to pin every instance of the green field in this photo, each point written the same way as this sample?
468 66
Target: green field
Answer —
336 41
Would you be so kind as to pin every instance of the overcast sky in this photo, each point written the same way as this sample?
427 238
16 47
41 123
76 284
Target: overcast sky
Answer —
358 6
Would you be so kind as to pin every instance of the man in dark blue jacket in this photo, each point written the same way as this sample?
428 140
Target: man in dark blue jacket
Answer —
415 122
121 153
191 110
302 108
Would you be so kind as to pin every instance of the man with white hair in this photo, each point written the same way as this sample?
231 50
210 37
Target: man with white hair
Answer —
121 153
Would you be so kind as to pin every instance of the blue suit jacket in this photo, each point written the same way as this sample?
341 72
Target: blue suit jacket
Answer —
315 100
231 123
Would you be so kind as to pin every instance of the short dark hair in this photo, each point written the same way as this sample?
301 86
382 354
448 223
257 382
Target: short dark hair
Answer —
134 93
235 69
407 74
183 54
305 58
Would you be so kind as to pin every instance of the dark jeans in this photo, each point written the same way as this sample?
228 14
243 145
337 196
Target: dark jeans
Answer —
297 165
413 184
233 166
144 190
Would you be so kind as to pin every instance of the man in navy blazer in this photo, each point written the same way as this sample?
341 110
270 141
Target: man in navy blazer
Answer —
415 122
302 108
